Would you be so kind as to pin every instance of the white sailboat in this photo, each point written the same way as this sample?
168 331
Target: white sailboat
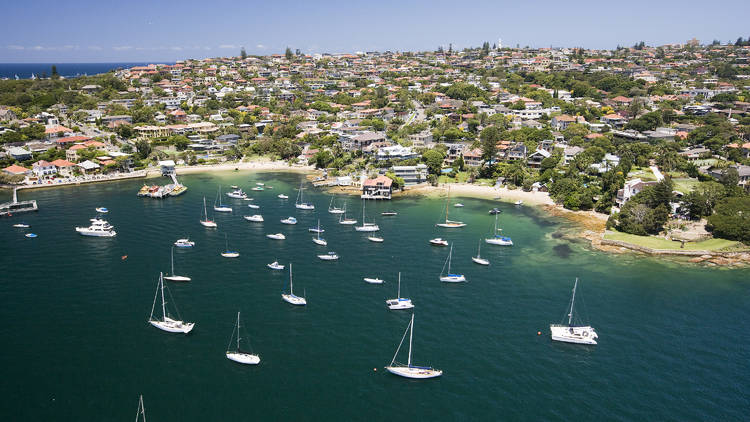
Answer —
218 206
450 277
451 224
174 277
346 221
205 221
166 323
399 302
478 259
316 229
291 297
496 239
300 204
409 370
376 239
366 227
573 334
227 253
319 240
334 210
237 354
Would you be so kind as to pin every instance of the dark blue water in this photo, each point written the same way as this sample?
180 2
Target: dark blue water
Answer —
68 70
674 339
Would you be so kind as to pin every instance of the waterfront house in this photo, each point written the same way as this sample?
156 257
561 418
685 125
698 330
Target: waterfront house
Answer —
630 189
20 154
17 170
411 174
43 169
64 168
535 158
473 158
89 167
377 188
516 152
395 152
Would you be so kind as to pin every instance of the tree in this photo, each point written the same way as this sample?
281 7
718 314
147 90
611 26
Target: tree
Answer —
434 160
731 219
143 149
489 138
243 53
288 53
54 73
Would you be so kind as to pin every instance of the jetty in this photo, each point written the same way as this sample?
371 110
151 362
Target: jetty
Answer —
13 207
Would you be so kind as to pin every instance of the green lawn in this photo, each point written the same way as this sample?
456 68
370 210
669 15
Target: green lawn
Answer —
685 184
659 243
643 173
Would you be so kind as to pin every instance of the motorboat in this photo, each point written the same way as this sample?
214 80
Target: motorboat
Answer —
375 239
257 188
237 194
388 213
21 226
277 236
372 280
30 235
275 266
184 243
438 242
256 218
102 210
495 211
282 196
98 228
253 206
519 202
289 220
330 256
458 205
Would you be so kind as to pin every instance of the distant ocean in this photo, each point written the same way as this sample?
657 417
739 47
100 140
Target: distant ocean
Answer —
68 70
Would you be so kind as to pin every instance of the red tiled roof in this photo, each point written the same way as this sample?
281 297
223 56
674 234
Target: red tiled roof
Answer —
71 139
15 169
385 181
62 163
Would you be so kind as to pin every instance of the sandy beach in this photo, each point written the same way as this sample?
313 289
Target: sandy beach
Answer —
257 165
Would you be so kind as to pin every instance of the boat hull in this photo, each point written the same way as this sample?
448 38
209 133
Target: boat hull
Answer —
209 224
83 231
172 326
321 242
480 261
499 241
277 236
229 255
375 239
367 228
373 280
455 278
177 278
304 206
255 218
414 372
397 304
578 335
451 225
294 300
222 209
243 358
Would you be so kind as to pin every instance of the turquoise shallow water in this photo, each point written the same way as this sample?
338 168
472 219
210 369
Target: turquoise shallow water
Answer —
674 339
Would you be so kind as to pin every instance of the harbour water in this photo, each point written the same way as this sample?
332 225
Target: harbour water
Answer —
68 70
674 340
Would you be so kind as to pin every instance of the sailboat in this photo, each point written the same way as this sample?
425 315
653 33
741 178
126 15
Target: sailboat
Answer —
409 370
227 253
496 239
334 210
205 221
399 302
141 413
166 323
174 277
237 354
366 227
299 204
291 297
478 259
316 229
451 224
346 221
319 240
218 206
573 334
451 278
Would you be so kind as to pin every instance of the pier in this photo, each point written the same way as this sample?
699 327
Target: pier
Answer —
9 208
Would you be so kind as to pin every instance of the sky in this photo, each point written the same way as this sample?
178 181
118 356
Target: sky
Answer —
168 30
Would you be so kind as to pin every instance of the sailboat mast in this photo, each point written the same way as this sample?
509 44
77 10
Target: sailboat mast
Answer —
450 254
172 253
141 409
291 285
238 331
411 335
572 301
399 285
163 305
